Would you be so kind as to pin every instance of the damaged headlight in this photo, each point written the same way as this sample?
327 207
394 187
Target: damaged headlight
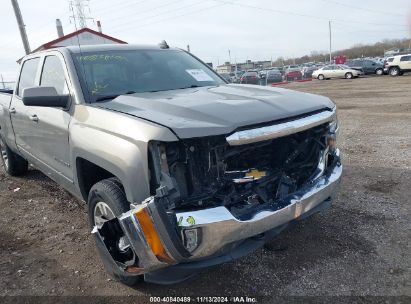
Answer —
333 129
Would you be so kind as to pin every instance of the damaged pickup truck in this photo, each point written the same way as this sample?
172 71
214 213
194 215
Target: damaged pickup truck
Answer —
180 170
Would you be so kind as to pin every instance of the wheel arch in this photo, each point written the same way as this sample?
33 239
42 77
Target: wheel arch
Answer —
91 168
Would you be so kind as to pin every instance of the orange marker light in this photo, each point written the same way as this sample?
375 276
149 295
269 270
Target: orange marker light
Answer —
152 236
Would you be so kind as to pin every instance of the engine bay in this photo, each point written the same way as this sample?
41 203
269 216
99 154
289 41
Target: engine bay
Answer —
208 172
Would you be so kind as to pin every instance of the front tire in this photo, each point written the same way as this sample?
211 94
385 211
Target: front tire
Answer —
106 201
348 75
379 72
13 163
321 77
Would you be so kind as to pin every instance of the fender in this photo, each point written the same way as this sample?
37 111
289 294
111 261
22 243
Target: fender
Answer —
117 143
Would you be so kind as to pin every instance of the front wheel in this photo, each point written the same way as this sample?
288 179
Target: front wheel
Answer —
107 201
13 163
321 77
348 75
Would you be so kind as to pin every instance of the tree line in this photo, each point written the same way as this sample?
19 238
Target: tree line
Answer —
356 51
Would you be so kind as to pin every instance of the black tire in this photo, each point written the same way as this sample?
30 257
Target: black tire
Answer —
321 77
13 163
349 75
394 72
111 192
379 72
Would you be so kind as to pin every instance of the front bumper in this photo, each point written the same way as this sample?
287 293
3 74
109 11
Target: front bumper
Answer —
217 231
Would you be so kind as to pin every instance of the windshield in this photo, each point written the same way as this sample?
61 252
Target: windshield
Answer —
107 74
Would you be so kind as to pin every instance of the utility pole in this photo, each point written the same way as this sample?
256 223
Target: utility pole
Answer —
2 81
229 55
21 25
329 26
188 48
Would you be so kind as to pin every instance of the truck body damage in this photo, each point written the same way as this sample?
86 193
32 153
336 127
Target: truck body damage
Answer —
211 196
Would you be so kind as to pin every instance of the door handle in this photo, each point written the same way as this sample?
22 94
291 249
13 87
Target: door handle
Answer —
12 111
34 118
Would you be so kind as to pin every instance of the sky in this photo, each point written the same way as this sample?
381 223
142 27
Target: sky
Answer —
250 29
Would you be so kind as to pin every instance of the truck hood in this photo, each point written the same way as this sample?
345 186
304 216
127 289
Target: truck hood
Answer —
206 111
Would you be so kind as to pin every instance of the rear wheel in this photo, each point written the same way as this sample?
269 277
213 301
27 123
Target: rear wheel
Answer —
321 77
379 72
348 75
394 71
107 201
13 164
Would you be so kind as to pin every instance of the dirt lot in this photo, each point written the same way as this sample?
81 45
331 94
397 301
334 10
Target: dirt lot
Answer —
361 246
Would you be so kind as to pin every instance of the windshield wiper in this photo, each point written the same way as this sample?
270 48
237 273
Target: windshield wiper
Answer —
108 97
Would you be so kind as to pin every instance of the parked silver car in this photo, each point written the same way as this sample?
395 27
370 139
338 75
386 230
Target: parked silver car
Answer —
336 71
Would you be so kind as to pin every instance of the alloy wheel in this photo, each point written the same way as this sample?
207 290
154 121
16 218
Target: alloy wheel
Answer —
102 214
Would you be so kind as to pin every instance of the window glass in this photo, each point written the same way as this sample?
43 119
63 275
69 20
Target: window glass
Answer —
53 75
110 73
405 58
28 75
390 60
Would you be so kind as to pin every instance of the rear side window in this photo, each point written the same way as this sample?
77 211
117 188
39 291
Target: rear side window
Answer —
28 75
53 75
405 58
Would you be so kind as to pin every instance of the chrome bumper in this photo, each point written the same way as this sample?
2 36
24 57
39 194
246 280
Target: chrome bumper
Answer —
217 228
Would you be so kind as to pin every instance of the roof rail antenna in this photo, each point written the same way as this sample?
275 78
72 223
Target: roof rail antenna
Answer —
163 44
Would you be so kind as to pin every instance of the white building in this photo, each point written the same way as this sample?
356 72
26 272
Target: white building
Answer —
85 36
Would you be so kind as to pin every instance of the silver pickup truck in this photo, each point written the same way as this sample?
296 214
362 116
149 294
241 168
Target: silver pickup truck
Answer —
180 170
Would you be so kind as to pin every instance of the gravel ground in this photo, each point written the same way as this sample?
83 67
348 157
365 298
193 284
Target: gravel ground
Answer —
361 246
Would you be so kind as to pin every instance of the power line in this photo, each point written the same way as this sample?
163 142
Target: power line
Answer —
266 9
162 13
122 5
145 12
362 8
173 17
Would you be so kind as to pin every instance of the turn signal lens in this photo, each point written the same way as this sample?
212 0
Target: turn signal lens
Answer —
331 142
152 236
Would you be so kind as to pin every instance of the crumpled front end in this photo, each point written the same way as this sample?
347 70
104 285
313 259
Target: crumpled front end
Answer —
209 195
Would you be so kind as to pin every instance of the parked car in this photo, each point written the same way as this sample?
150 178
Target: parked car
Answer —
250 78
308 71
235 76
368 66
225 76
293 74
273 76
180 170
399 65
336 71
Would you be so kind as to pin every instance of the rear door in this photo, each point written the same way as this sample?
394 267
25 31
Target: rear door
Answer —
21 123
327 72
405 63
369 66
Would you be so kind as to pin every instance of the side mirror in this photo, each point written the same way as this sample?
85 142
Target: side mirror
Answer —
44 97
